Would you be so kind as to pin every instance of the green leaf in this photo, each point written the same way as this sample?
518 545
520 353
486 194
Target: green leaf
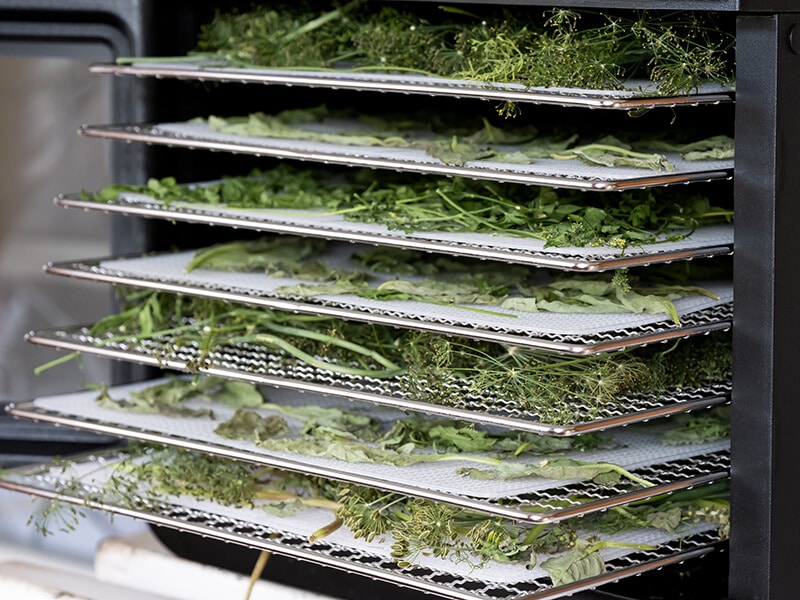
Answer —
274 253
707 426
521 304
668 520
462 439
238 394
653 162
164 399
579 564
250 425
556 468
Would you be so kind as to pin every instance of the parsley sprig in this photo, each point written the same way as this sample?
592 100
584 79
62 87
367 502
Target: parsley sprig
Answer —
559 217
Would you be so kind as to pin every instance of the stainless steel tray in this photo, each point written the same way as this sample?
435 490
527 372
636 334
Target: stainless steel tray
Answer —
289 536
704 242
532 499
261 366
548 171
559 332
638 94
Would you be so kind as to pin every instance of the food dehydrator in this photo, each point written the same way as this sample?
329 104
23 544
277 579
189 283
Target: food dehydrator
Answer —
757 562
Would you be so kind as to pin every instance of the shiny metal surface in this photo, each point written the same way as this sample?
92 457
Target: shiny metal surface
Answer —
375 565
487 250
433 86
565 501
372 158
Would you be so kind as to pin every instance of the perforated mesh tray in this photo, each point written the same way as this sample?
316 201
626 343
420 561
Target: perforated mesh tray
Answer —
533 499
561 332
261 366
289 536
546 171
703 242
637 93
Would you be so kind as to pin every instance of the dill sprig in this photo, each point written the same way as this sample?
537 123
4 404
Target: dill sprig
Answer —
679 51
415 527
279 36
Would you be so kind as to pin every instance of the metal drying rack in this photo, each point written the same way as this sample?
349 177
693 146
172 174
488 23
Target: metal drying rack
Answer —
580 334
549 172
265 367
716 240
635 94
266 532
537 500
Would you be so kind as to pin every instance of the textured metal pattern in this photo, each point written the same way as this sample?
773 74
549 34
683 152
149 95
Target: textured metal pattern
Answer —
374 562
455 400
547 172
482 246
577 333
410 84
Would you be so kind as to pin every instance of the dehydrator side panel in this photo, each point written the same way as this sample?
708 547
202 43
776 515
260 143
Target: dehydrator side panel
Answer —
766 325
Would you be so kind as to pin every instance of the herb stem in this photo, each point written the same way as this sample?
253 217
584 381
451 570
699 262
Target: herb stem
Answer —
315 362
327 339
603 147
54 363
258 569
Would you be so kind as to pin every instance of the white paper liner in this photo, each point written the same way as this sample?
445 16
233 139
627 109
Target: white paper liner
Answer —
641 447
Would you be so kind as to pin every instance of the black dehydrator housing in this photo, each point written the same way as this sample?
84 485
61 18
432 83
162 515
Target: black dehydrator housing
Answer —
765 445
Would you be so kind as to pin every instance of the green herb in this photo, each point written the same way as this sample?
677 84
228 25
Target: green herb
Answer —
353 437
604 295
264 253
276 257
292 33
558 468
416 527
322 435
247 424
168 398
582 562
553 48
482 142
718 147
574 297
559 217
707 426
559 389
464 281
330 423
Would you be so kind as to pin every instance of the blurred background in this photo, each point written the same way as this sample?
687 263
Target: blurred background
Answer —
43 101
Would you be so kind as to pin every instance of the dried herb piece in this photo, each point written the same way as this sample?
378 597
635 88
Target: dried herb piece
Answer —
699 428
454 281
248 424
483 142
415 526
169 398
